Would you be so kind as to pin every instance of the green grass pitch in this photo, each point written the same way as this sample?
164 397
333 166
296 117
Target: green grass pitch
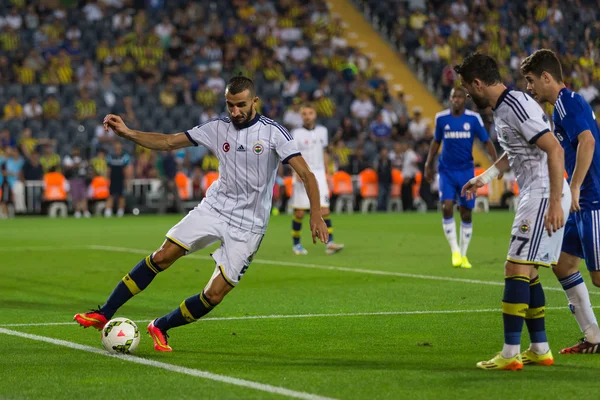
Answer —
374 328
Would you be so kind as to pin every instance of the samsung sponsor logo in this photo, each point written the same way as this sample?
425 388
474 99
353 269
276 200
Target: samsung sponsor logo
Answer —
457 135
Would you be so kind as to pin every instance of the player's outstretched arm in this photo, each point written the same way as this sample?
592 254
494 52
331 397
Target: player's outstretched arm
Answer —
434 147
153 141
585 154
554 219
499 167
317 225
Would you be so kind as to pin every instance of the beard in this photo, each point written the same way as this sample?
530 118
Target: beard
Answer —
240 123
480 102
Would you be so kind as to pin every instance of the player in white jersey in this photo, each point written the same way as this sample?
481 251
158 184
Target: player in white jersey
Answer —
537 159
234 212
312 142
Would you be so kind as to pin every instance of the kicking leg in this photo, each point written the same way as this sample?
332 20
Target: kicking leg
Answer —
466 232
450 231
297 231
331 247
190 310
133 283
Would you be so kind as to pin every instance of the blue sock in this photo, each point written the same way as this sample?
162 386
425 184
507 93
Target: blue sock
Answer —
514 307
296 229
535 317
327 220
190 310
571 280
134 282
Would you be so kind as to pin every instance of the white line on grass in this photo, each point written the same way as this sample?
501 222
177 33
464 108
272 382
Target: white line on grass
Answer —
330 268
288 316
171 367
290 264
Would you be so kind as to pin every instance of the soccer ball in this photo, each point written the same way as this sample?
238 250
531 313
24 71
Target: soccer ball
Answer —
120 335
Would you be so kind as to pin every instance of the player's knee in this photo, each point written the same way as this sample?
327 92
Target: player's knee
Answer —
166 256
447 210
299 214
325 212
214 295
596 279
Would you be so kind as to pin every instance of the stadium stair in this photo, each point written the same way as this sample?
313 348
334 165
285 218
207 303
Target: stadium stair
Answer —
360 34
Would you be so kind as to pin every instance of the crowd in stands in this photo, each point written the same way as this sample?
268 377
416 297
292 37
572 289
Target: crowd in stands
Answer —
163 65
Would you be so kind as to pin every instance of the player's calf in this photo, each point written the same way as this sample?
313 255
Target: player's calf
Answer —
595 275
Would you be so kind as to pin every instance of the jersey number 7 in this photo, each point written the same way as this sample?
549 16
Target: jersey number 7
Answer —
521 239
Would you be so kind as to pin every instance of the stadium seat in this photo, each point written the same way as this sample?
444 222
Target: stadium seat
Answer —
343 191
368 183
395 202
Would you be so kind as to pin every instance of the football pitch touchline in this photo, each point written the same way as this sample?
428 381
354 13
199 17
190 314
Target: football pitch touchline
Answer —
170 367
280 263
290 316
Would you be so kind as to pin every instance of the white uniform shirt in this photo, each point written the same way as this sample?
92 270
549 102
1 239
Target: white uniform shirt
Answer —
311 144
520 121
248 163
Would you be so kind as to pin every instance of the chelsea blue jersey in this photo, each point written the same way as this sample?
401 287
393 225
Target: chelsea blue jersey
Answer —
573 115
458 134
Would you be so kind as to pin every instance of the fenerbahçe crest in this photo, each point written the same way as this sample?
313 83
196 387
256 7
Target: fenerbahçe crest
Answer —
524 228
258 148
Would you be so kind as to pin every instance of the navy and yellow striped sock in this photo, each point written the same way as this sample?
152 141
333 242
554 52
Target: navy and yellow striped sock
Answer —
190 310
535 316
296 229
514 307
134 282
327 220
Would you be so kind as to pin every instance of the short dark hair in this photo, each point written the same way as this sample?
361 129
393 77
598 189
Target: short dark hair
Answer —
238 84
460 89
541 61
479 66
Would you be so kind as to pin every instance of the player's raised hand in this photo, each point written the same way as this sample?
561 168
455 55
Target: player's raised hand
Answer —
575 192
115 123
318 228
470 188
554 218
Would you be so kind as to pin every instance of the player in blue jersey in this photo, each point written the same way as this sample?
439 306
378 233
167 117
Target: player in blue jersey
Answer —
577 131
457 128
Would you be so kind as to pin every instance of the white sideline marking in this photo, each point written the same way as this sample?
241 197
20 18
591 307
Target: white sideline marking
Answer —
283 263
171 367
288 316
330 268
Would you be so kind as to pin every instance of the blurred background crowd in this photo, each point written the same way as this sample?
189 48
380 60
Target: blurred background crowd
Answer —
162 65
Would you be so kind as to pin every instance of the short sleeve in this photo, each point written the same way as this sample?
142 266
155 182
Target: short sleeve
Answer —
439 131
480 129
532 122
205 134
574 121
283 143
325 140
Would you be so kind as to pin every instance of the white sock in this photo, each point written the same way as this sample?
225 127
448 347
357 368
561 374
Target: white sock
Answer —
87 214
466 232
540 348
450 232
77 214
108 212
120 212
581 306
510 350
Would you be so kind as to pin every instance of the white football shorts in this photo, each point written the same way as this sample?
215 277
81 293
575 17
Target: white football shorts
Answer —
529 242
299 198
202 227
